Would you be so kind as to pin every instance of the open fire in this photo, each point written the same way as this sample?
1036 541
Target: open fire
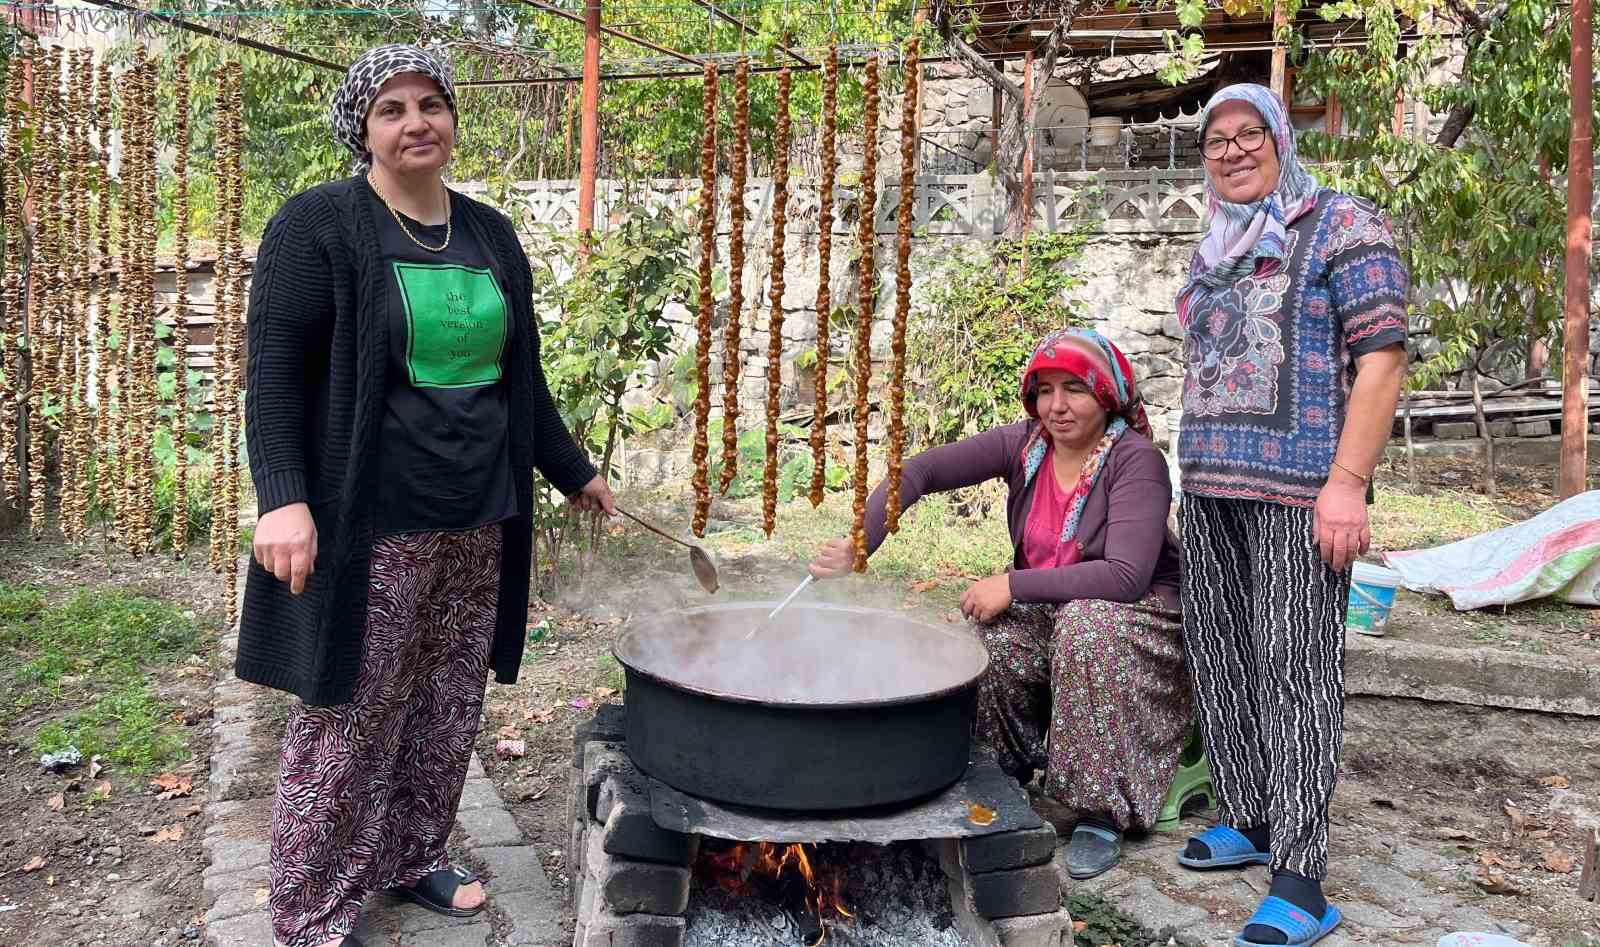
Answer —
809 887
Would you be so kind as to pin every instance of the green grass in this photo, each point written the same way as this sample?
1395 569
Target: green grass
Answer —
1415 521
934 539
83 663
608 673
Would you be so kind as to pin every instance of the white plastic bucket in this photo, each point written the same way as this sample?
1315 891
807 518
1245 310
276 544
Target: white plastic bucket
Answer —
1372 591
1468 939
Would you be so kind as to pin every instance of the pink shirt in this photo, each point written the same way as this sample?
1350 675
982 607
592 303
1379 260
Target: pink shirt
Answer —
1041 534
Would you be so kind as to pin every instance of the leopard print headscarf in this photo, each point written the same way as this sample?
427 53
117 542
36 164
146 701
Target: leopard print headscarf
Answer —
362 82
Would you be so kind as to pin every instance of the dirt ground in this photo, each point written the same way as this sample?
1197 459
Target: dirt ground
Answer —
115 863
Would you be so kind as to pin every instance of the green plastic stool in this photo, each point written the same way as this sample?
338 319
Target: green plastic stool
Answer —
1192 782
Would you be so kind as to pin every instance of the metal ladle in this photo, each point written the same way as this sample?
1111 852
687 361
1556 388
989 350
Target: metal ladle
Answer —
705 572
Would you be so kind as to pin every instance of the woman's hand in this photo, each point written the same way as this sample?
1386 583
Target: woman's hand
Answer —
595 497
286 544
985 599
1339 522
836 558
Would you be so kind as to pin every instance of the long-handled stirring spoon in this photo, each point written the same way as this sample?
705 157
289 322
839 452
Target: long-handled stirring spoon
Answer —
699 560
781 606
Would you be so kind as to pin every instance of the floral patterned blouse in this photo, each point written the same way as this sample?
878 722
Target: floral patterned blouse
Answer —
1269 360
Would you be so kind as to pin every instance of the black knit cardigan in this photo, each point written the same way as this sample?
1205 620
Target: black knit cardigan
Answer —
318 365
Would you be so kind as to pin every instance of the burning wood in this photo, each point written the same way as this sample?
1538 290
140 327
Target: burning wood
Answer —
793 875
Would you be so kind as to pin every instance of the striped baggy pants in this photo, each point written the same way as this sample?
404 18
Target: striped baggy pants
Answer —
1263 622
367 791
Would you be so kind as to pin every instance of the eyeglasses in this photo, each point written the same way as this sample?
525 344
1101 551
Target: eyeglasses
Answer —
1251 139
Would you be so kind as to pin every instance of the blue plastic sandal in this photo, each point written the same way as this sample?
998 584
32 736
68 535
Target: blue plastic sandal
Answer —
1229 849
1300 928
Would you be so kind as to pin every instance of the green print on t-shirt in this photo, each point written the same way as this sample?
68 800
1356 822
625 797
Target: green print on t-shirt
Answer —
455 322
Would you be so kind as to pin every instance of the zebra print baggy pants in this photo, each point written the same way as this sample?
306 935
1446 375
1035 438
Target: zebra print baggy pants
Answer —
1263 623
367 791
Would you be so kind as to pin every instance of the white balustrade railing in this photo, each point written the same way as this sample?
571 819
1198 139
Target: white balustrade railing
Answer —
1138 201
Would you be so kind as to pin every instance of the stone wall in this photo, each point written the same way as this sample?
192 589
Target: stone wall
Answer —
1130 283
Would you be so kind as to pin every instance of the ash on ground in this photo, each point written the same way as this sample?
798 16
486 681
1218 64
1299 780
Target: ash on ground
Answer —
897 893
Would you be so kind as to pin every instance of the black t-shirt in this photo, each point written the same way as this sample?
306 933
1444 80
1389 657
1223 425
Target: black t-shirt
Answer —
445 461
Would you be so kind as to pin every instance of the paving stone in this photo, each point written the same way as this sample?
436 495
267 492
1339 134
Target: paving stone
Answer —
1455 430
248 930
235 902
633 930
473 935
489 827
479 794
229 855
1375 918
513 868
1150 907
1035 930
535 918
1020 849
1533 429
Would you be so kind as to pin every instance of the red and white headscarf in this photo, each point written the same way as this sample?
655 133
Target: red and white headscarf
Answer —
1091 358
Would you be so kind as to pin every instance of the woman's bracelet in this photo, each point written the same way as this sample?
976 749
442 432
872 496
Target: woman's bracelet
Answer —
1366 480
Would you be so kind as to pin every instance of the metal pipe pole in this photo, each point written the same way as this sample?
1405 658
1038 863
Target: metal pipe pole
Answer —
589 134
1580 194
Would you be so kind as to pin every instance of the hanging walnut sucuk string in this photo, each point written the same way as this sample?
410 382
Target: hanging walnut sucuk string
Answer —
866 241
109 355
731 361
71 470
230 102
142 467
123 467
45 281
902 282
180 311
83 442
824 305
780 223
700 457
219 327
11 334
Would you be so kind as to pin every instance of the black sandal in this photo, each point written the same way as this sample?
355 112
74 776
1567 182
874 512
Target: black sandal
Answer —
437 890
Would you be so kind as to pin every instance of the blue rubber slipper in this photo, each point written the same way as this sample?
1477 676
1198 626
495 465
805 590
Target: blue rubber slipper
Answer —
1300 928
1229 849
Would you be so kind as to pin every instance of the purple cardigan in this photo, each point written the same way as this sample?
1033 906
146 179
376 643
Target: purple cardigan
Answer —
1128 551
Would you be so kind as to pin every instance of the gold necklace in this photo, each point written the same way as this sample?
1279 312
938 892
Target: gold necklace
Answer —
406 230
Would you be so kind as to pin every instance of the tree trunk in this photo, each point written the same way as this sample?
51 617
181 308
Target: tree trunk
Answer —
1483 431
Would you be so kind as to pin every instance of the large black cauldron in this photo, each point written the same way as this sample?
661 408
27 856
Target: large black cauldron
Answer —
828 707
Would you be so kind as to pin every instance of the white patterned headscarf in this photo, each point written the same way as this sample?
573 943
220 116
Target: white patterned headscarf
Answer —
366 76
1239 235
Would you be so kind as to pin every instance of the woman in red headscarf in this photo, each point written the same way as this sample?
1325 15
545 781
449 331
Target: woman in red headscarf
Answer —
1086 677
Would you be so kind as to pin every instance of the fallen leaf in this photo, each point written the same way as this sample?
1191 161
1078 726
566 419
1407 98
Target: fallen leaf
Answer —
171 833
50 881
509 732
581 703
261 895
34 864
103 789
1492 858
515 749
1493 882
1556 782
542 715
605 693
926 585
192 811
94 766
57 801
1519 821
172 785
1558 861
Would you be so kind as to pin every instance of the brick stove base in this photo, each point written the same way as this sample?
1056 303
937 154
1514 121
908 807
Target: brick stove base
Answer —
631 875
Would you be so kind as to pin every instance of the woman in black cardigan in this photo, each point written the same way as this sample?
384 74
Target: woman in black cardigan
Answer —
396 412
